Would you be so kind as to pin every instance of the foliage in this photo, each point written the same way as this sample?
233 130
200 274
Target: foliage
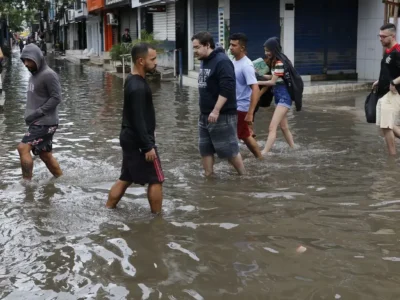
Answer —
147 37
120 49
125 48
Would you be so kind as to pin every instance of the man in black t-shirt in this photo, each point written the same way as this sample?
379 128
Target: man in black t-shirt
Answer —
389 80
140 163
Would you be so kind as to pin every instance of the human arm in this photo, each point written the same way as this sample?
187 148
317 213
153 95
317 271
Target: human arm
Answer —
227 84
255 97
270 82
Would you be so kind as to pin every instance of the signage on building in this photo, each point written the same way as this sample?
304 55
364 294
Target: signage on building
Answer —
111 2
156 8
94 4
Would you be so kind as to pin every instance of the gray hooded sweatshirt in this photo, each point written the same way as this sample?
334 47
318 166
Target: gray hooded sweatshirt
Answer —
44 90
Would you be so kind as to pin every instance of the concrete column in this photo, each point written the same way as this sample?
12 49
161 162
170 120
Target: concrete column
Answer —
139 22
190 34
369 48
287 29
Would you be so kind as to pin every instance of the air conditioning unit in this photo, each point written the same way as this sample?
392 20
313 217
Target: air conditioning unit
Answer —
71 15
111 19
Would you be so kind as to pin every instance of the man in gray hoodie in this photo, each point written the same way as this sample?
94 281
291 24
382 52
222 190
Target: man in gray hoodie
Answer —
41 114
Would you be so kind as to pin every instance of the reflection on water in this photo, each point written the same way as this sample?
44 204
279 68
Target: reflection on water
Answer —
336 194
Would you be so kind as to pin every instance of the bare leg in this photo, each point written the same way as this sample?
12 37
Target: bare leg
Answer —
286 132
251 143
208 165
390 141
155 196
116 193
279 114
396 131
237 163
51 163
25 156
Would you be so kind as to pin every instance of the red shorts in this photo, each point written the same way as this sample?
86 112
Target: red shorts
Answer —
243 129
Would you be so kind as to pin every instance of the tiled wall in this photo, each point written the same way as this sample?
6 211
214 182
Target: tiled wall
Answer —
369 48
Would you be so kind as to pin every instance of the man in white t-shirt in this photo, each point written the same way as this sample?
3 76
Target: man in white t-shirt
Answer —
247 90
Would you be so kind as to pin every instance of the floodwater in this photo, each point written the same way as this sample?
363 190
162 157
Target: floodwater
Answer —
337 195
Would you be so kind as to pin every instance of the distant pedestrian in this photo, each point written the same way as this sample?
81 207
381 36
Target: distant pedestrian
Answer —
218 108
140 162
126 38
1 69
21 45
41 114
388 108
247 91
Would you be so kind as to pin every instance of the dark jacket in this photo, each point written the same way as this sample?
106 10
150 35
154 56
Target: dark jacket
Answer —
44 90
217 77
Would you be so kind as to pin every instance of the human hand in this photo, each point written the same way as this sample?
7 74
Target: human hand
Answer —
393 89
213 117
249 118
151 155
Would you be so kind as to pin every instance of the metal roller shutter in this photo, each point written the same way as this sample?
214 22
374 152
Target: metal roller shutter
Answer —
309 37
205 15
330 47
341 37
171 23
128 19
160 26
258 20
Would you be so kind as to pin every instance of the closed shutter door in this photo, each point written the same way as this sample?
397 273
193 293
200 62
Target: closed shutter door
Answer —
341 36
160 26
309 38
133 24
205 17
266 16
330 47
171 23
124 21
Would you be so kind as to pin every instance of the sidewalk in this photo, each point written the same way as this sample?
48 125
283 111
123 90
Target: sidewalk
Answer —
310 87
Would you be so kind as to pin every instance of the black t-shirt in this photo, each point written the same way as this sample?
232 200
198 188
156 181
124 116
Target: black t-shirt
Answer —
138 117
390 69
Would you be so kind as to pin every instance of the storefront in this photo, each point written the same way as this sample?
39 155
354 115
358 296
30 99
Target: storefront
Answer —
94 26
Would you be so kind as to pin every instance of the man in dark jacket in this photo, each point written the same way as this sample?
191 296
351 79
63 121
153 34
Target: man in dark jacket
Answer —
218 108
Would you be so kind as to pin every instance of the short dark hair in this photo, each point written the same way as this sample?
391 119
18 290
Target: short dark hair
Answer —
205 38
389 26
241 37
140 51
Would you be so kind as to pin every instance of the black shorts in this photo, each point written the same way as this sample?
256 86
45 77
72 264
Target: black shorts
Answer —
137 170
40 137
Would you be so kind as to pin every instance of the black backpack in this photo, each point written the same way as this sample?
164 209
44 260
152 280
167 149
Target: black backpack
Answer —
294 84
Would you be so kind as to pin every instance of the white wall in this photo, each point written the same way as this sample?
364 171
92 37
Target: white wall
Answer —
369 48
287 32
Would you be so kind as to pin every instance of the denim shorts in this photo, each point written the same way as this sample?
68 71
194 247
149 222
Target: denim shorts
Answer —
220 138
282 96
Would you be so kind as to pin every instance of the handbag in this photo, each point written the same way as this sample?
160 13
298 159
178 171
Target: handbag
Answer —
370 106
266 98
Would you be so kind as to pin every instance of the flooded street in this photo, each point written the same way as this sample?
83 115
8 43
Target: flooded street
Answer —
337 194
